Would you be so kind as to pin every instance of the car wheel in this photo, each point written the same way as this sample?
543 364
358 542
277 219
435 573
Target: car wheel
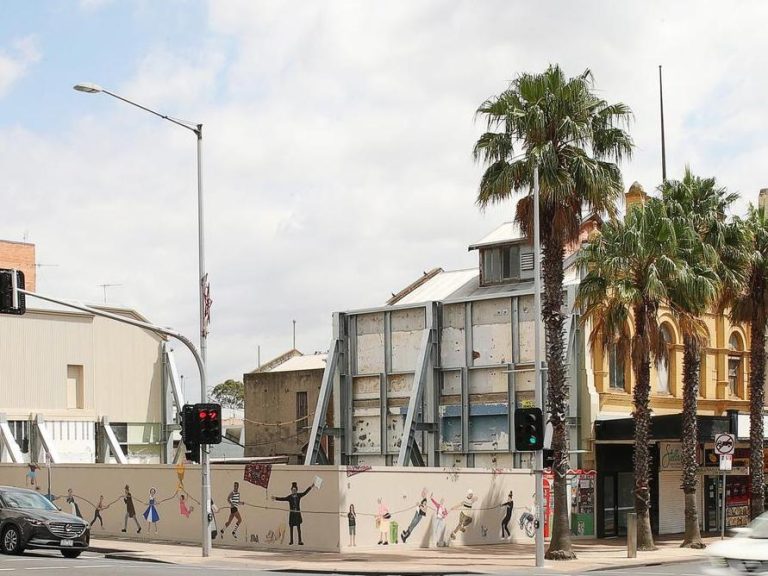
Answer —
11 541
71 553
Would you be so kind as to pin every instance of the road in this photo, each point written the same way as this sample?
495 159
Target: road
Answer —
93 564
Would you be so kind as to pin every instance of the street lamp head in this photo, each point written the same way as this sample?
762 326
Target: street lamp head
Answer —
88 88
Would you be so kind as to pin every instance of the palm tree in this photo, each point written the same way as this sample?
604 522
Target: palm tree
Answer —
574 139
700 205
630 265
751 307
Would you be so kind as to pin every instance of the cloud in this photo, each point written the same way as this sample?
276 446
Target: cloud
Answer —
14 63
337 150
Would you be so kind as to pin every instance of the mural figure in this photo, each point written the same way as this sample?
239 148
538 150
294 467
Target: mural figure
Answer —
294 505
30 478
465 516
180 475
438 530
130 510
509 505
352 519
150 514
97 514
420 513
382 519
73 503
184 510
214 530
234 513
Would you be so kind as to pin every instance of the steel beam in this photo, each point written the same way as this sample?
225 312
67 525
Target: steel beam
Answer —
323 399
8 442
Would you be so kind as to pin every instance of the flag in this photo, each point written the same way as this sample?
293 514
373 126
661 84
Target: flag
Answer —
258 474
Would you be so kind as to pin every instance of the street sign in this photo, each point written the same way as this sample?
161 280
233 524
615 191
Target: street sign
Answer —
726 462
725 444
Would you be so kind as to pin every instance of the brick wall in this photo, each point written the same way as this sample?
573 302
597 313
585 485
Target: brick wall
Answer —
20 255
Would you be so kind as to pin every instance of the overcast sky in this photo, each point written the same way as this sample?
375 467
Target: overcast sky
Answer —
338 138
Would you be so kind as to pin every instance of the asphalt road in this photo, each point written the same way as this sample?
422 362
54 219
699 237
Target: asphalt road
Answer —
93 564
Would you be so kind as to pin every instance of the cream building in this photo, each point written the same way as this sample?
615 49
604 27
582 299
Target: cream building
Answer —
80 388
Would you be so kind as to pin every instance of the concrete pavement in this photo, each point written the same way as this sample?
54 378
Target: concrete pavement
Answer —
592 555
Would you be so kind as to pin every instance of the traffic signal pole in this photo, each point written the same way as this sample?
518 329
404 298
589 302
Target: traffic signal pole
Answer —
538 463
205 471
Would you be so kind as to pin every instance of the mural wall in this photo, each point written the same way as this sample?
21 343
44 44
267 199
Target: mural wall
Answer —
277 506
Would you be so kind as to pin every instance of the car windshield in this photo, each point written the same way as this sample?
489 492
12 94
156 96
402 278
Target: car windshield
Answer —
26 500
759 527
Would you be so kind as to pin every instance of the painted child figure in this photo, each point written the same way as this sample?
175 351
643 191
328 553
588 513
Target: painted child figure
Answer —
151 514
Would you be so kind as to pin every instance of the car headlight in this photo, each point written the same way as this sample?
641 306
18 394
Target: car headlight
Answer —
34 521
718 562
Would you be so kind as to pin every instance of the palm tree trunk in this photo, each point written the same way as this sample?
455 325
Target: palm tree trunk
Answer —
756 410
560 547
690 441
641 365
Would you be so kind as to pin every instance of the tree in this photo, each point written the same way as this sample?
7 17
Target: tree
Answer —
751 307
230 394
631 264
574 139
716 270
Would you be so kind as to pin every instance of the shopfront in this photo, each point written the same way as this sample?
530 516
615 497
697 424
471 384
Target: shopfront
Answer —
615 478
581 494
737 490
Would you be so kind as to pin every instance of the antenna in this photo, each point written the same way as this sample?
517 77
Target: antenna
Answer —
104 287
294 334
663 146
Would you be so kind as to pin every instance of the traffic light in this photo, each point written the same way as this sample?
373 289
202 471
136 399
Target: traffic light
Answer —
190 433
209 421
529 429
11 301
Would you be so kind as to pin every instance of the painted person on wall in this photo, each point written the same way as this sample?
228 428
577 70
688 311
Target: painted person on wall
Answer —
214 511
73 503
438 530
185 510
294 505
97 513
234 509
465 516
352 519
382 520
30 478
151 514
130 510
509 505
421 512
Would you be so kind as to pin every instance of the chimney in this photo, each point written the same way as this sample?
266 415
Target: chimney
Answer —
762 200
636 195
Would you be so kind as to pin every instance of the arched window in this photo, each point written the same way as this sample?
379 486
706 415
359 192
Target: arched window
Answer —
616 369
735 372
662 364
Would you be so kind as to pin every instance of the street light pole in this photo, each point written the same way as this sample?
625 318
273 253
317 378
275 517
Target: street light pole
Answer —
197 129
538 462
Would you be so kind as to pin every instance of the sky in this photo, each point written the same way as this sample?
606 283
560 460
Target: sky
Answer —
337 141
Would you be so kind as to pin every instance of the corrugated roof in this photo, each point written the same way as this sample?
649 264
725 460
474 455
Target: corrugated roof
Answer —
309 362
444 285
507 232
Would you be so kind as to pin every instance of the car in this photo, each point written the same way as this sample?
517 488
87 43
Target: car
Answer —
746 553
30 520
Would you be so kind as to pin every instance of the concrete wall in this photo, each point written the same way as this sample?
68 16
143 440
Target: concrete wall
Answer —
265 522
270 397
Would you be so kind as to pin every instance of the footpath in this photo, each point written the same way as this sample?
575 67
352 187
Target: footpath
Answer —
592 555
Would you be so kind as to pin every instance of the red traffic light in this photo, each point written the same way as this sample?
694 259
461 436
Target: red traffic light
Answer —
202 415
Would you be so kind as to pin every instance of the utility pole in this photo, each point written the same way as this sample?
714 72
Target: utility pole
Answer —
663 145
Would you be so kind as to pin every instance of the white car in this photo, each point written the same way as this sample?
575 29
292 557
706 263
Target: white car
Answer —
747 553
